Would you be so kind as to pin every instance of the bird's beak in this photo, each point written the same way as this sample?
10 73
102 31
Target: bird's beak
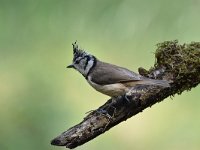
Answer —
70 66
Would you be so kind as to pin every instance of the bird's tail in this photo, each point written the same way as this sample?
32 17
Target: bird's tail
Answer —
163 83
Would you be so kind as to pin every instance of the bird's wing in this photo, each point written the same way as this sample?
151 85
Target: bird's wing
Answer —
104 73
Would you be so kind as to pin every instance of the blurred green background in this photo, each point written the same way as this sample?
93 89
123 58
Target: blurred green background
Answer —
40 98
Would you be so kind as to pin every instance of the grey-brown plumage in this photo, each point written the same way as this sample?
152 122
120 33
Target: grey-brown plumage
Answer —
105 73
107 78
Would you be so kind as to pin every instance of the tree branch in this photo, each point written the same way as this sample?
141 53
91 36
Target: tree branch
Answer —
179 64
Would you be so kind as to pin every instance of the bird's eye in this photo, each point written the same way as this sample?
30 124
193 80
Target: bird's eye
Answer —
77 62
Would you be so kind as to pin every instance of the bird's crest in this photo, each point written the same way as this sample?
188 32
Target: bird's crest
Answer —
78 52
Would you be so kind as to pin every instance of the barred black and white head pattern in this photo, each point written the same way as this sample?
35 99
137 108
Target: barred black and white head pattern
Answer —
82 61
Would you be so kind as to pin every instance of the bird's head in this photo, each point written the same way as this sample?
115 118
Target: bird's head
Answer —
82 60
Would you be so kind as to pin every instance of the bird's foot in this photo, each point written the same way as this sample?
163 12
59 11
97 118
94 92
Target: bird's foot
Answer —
132 97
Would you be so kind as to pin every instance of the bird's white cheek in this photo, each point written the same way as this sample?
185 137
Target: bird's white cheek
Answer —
89 66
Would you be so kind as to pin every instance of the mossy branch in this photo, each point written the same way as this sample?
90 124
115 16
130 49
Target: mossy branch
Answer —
179 64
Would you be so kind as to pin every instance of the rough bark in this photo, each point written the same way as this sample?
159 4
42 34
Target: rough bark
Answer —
179 64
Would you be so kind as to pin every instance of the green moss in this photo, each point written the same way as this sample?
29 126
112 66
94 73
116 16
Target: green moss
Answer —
182 63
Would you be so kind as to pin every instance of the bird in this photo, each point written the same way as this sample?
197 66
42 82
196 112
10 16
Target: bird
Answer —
108 79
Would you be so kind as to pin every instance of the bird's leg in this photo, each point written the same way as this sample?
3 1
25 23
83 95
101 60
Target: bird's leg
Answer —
128 96
132 100
133 94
